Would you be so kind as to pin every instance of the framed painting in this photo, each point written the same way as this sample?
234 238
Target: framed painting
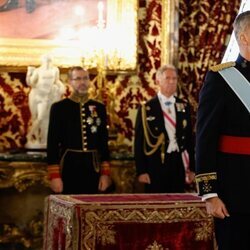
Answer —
72 31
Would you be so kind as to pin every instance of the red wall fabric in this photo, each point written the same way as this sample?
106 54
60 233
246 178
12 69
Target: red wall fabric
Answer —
205 28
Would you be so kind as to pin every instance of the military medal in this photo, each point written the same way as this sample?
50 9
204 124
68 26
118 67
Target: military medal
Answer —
90 120
180 107
184 123
93 129
168 103
150 118
93 120
98 121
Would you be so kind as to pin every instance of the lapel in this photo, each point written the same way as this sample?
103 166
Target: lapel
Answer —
180 110
178 117
156 108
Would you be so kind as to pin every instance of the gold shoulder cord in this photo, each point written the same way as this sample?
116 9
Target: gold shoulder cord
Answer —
160 139
222 66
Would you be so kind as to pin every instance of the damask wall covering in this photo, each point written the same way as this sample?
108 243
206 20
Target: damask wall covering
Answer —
204 27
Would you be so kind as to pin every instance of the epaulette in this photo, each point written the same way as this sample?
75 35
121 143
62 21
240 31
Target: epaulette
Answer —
222 66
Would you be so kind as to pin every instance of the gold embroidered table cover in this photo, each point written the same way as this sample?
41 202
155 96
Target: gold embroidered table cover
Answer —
127 221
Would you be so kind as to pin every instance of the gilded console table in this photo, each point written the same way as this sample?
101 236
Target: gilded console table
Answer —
23 188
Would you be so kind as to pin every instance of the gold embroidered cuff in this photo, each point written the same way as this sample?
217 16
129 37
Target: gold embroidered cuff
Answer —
206 183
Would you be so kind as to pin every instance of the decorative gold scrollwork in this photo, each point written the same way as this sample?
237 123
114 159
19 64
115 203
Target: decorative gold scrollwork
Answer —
155 246
22 175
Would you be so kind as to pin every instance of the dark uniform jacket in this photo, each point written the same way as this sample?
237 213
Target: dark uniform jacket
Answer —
78 141
156 164
220 113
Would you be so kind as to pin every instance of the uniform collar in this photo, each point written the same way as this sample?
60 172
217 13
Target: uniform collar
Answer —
244 63
79 98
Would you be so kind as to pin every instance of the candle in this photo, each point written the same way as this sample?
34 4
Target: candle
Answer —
100 7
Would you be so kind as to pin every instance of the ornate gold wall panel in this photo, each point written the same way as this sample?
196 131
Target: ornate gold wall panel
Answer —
170 32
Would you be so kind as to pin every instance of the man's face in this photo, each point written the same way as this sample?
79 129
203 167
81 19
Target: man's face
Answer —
247 39
80 81
168 82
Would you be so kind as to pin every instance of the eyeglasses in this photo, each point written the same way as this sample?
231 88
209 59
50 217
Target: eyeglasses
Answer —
80 78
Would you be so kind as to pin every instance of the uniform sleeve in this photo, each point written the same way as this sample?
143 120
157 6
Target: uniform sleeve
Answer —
190 138
103 144
209 120
138 145
103 136
53 143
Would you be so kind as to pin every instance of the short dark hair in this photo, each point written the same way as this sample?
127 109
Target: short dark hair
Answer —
77 68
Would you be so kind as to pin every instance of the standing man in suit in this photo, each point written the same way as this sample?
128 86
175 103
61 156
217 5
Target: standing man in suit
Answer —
77 147
223 144
164 149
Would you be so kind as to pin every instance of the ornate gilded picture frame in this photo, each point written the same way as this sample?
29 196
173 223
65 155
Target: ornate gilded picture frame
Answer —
18 53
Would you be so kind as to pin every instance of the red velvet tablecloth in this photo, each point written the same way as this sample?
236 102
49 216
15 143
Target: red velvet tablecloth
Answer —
127 222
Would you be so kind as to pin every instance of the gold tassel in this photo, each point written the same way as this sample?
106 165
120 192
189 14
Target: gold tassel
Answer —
147 131
163 152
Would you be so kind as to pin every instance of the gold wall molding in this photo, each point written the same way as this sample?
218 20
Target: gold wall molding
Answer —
169 32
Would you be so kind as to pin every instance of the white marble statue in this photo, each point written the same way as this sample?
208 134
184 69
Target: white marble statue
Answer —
46 88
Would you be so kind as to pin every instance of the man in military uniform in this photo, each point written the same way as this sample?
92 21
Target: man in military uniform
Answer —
223 144
163 138
77 147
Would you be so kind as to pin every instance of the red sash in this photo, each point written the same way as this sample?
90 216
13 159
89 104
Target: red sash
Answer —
234 145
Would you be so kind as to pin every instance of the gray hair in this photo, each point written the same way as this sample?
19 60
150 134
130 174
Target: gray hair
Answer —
241 22
163 68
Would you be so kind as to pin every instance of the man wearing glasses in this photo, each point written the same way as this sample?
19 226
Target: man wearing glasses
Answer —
77 146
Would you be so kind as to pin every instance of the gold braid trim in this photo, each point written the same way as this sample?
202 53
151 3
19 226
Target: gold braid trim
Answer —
206 177
160 139
222 66
79 98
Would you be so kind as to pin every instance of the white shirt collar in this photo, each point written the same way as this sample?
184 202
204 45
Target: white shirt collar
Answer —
164 99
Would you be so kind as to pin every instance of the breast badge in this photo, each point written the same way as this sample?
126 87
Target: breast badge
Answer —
92 109
90 120
93 120
180 107
93 129
98 121
184 123
150 118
